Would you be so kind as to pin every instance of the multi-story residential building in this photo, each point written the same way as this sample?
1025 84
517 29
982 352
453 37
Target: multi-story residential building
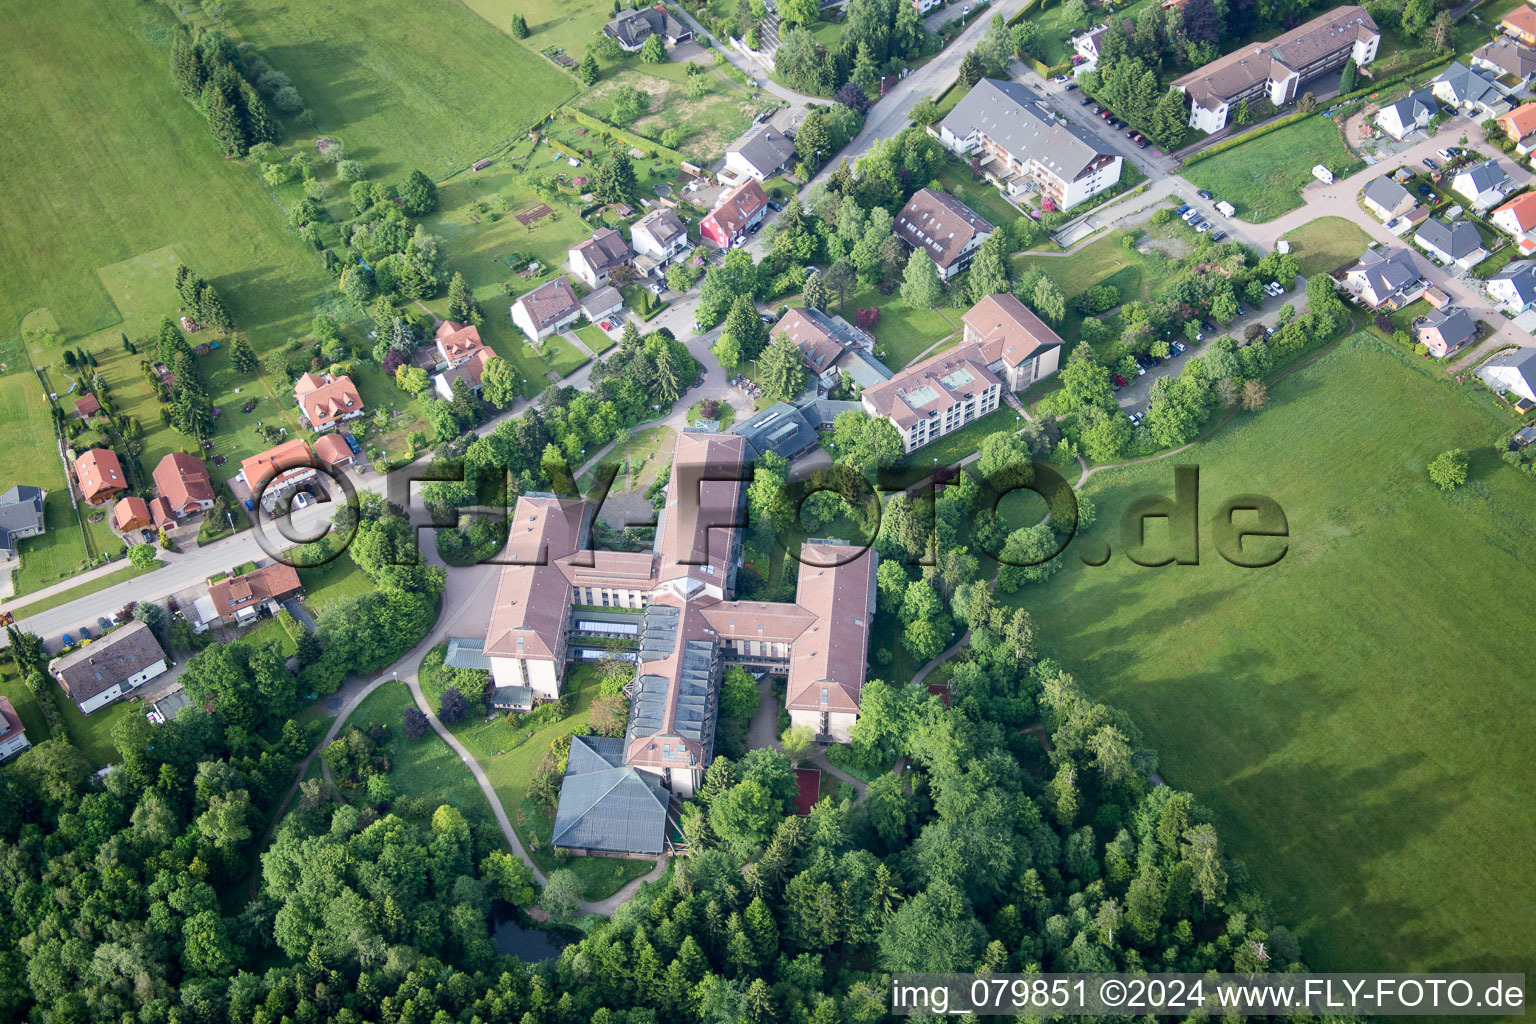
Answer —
658 238
1277 69
1514 287
632 28
943 227
1007 128
738 211
1455 243
594 261
1005 346
548 308
278 471
1518 218
325 402
106 669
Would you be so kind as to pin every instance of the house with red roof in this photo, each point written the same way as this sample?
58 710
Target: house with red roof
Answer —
279 470
131 513
456 342
1518 218
327 401
738 211
100 475
184 484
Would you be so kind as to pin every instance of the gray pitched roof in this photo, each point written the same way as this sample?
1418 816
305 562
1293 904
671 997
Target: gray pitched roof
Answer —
1509 56
1387 270
607 806
1521 361
767 149
1458 240
1485 176
1005 112
102 665
21 508
1407 110
1469 85
1386 193
1455 324
1521 276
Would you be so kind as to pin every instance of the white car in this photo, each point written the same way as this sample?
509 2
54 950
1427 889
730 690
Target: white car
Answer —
1445 154
301 500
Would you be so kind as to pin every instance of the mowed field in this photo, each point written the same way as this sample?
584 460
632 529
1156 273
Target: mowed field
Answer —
405 84
105 161
1359 715
1264 177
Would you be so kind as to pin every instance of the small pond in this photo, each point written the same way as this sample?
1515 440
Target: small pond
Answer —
515 936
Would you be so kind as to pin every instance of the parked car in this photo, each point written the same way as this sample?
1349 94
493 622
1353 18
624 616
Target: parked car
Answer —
69 641
1202 193
1431 164
1200 224
766 318
1208 326
148 535
1087 101
357 449
85 634
101 621
1179 347
1059 79
302 500
250 506
1071 86
1217 236
1120 381
1105 116
1278 287
1100 111
775 205
1181 211
1241 311
1425 191
1445 154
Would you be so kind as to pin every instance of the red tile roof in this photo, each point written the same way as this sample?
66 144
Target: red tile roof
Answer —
131 512
258 469
455 340
733 212
331 449
100 475
325 401
183 481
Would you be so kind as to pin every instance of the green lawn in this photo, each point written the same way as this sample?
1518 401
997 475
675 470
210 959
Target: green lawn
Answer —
705 125
1264 177
92 734
407 85
563 357
595 338
510 756
1326 244
425 768
1357 716
108 163
127 572
567 24
1105 261
32 721
956 179
326 584
953 447
33 458
902 332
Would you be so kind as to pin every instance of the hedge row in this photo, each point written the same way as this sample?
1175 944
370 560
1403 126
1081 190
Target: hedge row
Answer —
1238 140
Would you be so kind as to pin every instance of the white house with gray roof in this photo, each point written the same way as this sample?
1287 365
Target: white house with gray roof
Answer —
1457 243
1385 279
1408 114
1514 287
1512 372
1006 127
1472 92
761 153
1482 184
21 516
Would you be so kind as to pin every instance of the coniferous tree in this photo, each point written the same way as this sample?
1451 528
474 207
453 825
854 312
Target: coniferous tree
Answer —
242 357
210 309
187 68
258 122
971 70
223 111
461 302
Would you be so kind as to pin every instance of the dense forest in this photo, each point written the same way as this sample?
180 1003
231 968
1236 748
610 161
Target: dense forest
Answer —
1022 834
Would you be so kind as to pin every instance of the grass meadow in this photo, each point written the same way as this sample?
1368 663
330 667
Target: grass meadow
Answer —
1263 177
1358 715
406 85
1326 244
